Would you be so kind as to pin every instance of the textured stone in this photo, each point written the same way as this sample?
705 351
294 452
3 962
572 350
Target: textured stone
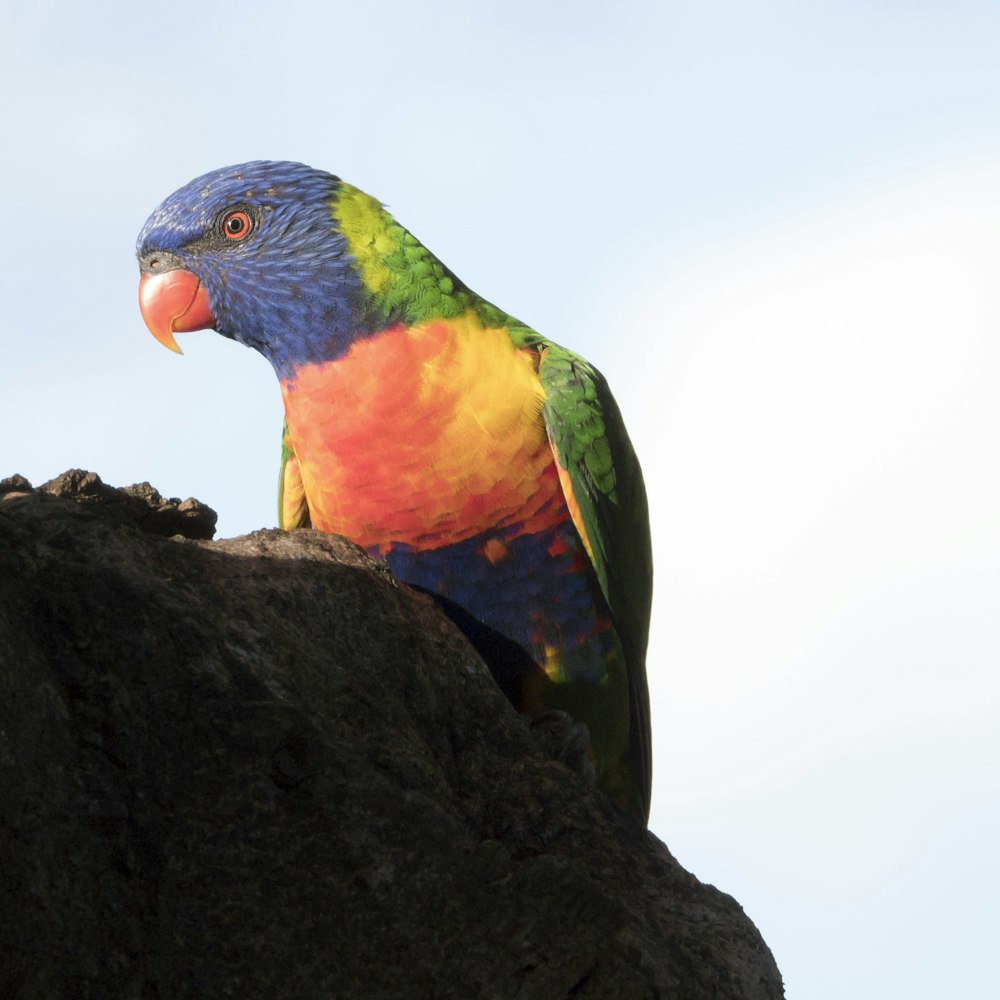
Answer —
260 767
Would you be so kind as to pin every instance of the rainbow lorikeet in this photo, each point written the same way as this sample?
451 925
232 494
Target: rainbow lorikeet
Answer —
483 463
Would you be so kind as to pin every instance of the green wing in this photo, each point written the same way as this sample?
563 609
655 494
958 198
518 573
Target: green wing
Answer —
293 508
588 437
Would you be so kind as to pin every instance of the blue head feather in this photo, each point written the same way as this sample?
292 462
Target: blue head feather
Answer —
291 290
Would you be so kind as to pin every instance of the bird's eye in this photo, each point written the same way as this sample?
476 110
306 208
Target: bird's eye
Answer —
236 225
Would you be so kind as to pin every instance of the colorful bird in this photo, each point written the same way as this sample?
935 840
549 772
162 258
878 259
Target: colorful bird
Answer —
483 463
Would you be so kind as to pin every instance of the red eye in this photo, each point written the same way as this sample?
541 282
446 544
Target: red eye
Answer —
236 225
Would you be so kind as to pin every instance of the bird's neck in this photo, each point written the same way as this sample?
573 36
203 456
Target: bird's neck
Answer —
381 278
404 282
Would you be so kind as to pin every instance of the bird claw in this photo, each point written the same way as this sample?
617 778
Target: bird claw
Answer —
565 740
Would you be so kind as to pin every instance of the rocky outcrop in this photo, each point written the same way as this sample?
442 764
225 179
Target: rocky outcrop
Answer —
261 768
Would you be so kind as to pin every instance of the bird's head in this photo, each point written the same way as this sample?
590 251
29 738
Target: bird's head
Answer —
256 252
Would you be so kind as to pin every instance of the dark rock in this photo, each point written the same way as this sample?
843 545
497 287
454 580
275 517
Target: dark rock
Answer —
140 505
14 484
261 768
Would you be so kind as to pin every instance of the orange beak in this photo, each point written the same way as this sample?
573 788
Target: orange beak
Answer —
174 302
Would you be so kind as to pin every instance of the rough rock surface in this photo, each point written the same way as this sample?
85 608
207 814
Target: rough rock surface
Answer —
261 768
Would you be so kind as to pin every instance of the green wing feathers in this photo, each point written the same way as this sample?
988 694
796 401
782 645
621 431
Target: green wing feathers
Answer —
589 440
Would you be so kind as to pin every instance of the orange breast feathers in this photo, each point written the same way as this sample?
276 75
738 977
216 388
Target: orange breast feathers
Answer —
425 435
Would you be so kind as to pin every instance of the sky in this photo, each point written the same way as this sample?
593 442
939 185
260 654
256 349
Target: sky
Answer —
773 226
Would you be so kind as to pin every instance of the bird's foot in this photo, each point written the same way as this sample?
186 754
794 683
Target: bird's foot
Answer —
565 740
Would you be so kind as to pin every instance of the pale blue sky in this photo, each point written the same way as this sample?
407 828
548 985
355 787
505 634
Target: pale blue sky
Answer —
773 225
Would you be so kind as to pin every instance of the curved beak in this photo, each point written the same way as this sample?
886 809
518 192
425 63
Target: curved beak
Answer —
172 302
